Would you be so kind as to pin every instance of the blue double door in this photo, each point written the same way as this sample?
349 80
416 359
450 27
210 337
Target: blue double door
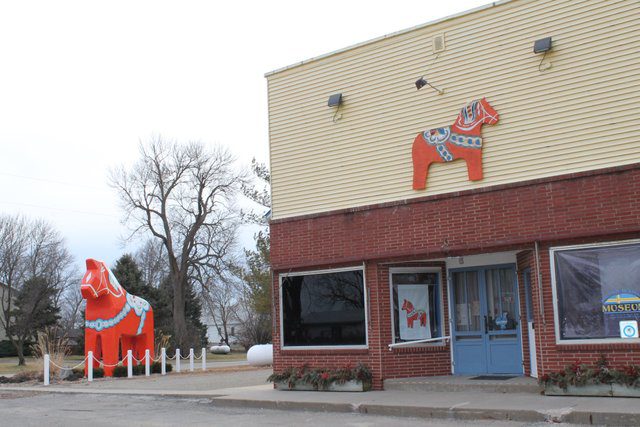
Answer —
486 321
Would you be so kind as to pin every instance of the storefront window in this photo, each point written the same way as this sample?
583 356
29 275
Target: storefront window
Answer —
597 289
416 306
324 309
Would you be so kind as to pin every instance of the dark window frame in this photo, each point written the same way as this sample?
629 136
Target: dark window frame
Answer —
556 299
439 299
284 346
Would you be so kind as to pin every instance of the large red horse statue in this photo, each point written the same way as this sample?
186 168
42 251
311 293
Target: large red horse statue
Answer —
462 140
114 318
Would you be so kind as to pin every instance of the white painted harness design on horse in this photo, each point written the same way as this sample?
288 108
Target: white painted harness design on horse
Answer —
140 307
439 137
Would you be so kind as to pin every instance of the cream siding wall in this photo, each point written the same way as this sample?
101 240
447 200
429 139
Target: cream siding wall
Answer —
580 114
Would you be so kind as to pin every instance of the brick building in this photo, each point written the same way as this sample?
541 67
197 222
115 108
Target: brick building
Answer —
518 252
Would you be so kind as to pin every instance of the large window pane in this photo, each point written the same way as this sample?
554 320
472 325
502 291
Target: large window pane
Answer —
324 309
597 289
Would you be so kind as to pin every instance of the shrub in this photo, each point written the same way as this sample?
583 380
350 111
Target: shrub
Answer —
98 373
321 378
8 350
577 374
120 371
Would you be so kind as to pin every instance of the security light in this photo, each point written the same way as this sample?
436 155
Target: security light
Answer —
335 100
542 45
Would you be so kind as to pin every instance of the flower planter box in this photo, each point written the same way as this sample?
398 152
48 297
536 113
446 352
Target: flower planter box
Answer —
607 390
353 386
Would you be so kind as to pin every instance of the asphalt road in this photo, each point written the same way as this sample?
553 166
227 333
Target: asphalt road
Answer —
29 409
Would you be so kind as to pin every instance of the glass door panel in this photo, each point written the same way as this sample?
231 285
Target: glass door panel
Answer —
467 302
501 300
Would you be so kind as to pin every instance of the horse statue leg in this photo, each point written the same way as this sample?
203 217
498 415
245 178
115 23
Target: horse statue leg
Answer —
473 157
421 162
110 349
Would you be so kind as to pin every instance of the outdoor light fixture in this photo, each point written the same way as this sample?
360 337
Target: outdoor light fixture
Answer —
542 45
335 100
421 82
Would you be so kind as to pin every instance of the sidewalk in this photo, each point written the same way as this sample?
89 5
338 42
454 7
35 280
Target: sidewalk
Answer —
232 389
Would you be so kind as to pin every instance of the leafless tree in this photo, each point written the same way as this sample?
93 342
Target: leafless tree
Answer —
152 261
30 249
183 196
222 302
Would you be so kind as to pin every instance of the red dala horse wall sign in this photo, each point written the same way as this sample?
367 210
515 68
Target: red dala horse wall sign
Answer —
462 140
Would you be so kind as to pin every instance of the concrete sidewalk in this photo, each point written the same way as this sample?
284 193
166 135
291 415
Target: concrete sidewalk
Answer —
458 405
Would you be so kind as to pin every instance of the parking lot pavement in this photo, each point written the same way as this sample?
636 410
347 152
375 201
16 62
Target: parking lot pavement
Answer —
108 410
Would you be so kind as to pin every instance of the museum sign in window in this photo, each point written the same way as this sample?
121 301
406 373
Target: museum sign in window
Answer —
597 291
324 309
417 312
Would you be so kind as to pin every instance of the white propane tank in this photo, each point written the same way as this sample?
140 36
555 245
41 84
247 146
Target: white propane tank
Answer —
220 349
260 355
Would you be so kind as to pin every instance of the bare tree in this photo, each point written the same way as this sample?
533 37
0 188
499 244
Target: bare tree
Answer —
183 196
30 250
152 261
222 302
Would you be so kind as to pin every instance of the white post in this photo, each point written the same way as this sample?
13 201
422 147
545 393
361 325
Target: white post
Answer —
90 366
191 359
204 359
177 360
46 369
147 365
163 357
129 364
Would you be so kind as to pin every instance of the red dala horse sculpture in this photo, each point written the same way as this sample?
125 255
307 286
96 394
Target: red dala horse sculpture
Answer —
413 314
462 140
114 318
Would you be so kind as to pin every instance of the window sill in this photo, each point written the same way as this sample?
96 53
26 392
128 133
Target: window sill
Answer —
422 348
599 346
323 351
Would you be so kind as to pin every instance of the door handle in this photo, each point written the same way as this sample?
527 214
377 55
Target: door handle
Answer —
486 325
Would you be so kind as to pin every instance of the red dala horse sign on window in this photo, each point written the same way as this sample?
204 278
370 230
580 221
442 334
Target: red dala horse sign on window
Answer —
462 140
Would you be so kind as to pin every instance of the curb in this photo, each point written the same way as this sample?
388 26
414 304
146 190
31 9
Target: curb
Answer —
453 413
460 414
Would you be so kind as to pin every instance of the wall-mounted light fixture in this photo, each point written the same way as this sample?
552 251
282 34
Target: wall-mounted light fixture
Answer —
421 82
335 100
543 46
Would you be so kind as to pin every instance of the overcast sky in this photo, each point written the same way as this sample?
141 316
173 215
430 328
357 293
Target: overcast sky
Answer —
82 82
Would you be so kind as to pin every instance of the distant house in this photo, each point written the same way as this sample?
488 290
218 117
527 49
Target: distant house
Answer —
215 333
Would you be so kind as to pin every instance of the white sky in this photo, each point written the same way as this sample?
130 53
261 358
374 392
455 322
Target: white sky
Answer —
82 82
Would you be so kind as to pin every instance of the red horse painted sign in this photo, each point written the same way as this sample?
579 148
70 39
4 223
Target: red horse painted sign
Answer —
462 140
413 314
114 318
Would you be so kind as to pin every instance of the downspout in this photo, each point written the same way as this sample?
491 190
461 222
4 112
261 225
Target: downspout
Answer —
541 307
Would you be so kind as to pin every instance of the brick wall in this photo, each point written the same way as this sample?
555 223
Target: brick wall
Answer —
588 207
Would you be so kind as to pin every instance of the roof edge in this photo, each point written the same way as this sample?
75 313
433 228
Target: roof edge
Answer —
386 36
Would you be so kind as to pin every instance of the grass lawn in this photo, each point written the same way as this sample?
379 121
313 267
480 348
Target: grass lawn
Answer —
9 365
233 356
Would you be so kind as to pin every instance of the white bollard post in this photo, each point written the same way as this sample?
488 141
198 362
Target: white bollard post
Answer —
46 369
129 364
177 360
90 366
163 363
191 360
204 359
147 364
